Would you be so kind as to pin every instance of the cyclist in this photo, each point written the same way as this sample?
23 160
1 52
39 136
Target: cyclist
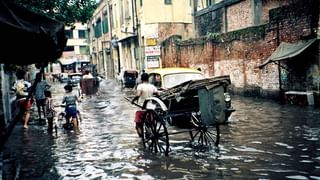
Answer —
71 99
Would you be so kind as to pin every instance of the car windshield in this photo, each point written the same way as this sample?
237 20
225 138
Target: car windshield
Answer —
171 80
76 77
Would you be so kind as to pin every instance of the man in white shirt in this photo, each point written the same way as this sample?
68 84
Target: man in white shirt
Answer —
144 91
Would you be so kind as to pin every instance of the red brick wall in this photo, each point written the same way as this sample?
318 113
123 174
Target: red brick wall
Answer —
239 16
239 53
267 5
169 29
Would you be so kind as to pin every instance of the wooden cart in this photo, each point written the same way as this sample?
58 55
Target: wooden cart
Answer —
199 106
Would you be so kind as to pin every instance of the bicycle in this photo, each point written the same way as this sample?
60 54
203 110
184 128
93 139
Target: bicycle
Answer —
64 122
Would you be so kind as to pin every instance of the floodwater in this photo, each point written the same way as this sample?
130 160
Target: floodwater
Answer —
264 140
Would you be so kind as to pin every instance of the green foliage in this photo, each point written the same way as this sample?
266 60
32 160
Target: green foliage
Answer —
67 11
212 35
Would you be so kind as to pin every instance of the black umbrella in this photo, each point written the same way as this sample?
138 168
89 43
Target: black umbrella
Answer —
27 37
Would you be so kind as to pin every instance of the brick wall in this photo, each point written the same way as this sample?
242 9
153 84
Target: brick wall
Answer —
210 22
239 16
169 29
267 5
231 15
239 53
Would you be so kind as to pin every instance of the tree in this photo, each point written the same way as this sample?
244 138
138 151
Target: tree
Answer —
67 11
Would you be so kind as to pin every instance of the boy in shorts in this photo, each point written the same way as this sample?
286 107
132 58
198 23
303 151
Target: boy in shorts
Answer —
71 99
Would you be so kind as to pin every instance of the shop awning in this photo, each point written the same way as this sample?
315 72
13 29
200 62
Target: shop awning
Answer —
127 38
285 51
67 61
27 37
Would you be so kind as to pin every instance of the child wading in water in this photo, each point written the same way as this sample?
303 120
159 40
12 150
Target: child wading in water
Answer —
49 109
70 100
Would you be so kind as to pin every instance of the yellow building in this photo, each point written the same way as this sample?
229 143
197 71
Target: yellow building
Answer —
158 20
100 40
135 30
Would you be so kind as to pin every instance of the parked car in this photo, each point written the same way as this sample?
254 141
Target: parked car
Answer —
128 78
74 78
165 78
63 77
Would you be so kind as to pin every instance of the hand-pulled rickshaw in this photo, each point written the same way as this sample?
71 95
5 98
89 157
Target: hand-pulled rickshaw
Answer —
199 106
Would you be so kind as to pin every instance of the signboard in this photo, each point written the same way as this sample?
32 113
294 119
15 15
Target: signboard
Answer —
152 51
150 30
153 61
151 42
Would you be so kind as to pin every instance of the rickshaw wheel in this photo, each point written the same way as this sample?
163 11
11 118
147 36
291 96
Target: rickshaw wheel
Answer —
155 135
204 135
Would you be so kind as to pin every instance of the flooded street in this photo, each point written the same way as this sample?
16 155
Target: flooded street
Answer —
264 140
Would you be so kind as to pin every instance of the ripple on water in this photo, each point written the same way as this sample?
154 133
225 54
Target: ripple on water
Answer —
315 177
284 145
248 149
298 177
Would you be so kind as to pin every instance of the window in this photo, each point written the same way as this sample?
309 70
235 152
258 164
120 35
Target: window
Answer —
127 14
171 80
121 13
105 27
84 49
82 34
97 30
69 34
209 2
167 2
155 79
92 31
69 48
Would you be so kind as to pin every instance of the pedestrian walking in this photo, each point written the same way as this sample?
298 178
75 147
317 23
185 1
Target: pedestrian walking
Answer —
22 88
50 111
88 84
87 74
39 95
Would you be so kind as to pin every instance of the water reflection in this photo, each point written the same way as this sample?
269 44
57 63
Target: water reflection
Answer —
264 140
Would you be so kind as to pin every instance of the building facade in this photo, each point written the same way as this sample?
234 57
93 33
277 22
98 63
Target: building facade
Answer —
130 32
76 53
159 20
235 37
100 40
